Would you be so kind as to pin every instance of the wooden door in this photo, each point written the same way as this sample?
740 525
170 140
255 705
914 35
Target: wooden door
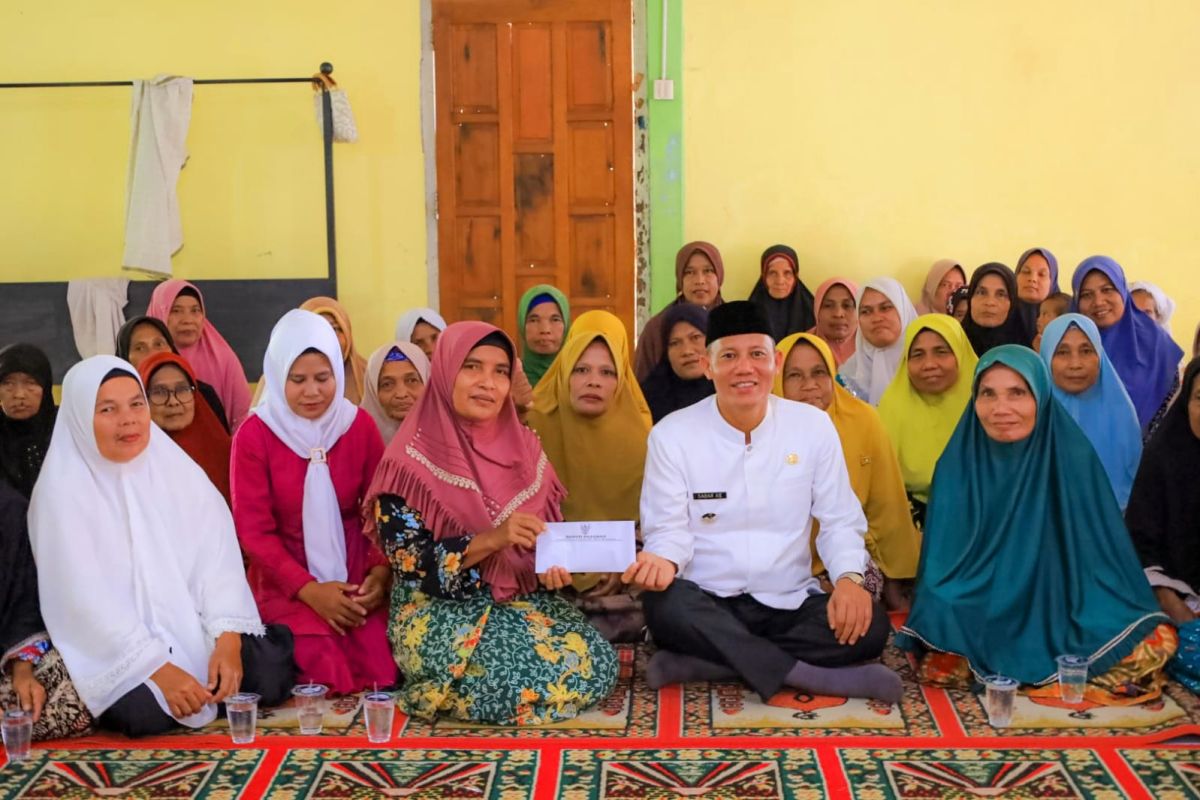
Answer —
534 155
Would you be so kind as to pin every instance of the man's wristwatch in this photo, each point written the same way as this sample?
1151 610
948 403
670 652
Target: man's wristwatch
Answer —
855 577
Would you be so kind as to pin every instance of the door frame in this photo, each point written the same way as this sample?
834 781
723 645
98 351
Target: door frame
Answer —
641 161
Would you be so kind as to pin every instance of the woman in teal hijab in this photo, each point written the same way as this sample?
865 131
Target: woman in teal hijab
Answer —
1087 385
544 317
1025 555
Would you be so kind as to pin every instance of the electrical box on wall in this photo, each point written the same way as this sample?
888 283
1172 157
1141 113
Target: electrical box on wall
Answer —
664 89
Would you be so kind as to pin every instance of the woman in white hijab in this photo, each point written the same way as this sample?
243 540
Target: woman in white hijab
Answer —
140 579
395 380
301 464
1152 300
422 327
884 313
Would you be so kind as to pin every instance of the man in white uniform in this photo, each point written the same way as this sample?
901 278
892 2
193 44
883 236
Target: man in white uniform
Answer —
732 488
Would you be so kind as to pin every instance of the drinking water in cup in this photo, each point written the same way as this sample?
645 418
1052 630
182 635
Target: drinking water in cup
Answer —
380 708
310 707
1000 693
17 730
242 712
1072 678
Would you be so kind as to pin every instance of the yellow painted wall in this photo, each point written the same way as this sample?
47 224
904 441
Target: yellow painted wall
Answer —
252 193
876 136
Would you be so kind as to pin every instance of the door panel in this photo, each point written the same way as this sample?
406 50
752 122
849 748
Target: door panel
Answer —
534 154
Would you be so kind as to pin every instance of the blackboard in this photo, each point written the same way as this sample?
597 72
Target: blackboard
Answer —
244 311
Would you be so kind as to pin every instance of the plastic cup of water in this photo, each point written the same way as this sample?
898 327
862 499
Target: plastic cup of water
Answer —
1072 677
380 709
242 712
1000 693
310 707
18 733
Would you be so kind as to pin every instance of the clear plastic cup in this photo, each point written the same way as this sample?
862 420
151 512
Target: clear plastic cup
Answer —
1072 678
17 730
1000 693
380 710
242 712
310 707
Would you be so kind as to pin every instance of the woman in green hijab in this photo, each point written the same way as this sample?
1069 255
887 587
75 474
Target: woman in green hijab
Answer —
544 315
1025 555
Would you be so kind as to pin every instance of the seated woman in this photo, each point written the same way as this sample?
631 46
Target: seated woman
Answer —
699 274
301 466
1165 504
353 364
593 422
177 408
1037 279
422 327
1038 564
837 317
680 378
32 675
993 313
1154 303
884 311
141 337
181 306
458 502
892 540
1089 389
922 407
27 415
1145 356
944 278
780 294
545 317
139 576
396 377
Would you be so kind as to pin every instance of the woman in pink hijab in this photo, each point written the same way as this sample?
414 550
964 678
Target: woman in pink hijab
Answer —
458 501
944 277
837 316
180 306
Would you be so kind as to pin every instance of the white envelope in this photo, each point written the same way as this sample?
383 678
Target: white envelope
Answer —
587 546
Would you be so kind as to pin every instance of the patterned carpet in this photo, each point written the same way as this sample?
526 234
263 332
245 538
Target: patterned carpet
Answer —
712 741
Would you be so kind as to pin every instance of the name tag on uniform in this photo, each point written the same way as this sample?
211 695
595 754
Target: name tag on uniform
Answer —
709 495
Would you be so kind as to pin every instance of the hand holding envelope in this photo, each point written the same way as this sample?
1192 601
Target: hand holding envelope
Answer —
586 546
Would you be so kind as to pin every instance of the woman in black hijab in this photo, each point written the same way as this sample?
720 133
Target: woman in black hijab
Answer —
27 414
1164 504
678 380
32 674
144 336
993 312
783 298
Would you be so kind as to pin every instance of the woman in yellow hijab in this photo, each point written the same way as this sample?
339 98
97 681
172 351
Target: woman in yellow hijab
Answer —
356 366
922 405
594 423
807 376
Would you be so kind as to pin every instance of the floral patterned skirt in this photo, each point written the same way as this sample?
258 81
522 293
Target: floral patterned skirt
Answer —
528 661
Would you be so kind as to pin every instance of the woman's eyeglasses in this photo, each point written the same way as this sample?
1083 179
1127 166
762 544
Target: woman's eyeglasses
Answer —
161 395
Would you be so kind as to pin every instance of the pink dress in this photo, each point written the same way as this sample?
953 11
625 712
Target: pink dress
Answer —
268 489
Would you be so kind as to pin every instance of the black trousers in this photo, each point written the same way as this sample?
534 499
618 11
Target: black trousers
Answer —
760 643
268 669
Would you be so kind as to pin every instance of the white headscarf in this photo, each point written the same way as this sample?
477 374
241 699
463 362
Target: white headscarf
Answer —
409 319
311 439
370 401
871 368
1165 305
138 563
